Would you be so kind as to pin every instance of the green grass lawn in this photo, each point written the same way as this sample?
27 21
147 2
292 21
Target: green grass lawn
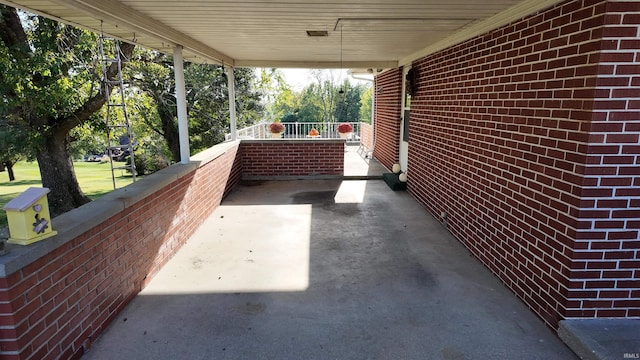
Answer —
94 178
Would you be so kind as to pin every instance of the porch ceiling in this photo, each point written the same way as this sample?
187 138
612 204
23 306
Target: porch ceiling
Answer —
272 33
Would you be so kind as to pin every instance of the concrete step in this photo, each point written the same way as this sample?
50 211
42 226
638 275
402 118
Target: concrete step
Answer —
602 339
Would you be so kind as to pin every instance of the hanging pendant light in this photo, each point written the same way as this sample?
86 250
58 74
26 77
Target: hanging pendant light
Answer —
341 91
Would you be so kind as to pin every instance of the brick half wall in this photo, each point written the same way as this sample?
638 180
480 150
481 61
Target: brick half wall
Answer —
292 159
58 295
105 253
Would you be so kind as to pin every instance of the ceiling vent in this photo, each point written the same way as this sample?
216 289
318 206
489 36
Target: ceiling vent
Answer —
317 33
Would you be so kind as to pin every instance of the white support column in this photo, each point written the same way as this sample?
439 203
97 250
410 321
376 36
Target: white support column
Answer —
181 102
373 115
232 102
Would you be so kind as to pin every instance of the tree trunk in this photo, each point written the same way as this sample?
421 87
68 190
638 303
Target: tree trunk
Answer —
170 131
56 171
9 166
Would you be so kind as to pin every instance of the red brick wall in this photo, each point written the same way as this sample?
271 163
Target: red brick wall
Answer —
605 275
500 135
56 306
292 158
234 174
388 91
366 135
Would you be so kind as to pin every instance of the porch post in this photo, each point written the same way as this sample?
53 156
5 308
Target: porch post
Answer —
373 116
181 102
231 85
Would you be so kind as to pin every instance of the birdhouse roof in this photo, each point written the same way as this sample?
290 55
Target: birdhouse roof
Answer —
25 200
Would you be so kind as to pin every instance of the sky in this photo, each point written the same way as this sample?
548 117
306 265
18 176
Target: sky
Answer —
299 78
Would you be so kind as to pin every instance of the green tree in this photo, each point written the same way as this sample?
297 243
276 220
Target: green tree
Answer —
324 100
327 93
11 148
309 107
249 99
142 112
207 99
366 104
347 107
50 83
85 138
278 96
152 73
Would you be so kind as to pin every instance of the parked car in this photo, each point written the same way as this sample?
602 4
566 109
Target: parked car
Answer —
93 158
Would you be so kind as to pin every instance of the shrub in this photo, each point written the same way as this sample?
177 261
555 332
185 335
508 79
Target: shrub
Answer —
148 164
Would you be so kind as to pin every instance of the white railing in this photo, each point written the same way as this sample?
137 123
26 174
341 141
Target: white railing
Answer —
297 130
256 131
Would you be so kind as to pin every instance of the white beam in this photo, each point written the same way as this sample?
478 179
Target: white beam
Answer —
181 102
231 80
316 64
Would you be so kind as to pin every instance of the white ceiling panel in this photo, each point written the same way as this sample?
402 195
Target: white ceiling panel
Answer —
360 33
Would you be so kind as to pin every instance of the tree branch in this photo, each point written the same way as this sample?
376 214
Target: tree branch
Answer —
13 36
11 31
94 103
69 39
154 129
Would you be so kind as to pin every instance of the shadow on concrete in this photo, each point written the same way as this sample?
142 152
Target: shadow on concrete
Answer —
321 270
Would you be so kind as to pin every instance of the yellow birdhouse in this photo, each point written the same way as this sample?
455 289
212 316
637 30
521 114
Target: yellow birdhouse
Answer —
28 216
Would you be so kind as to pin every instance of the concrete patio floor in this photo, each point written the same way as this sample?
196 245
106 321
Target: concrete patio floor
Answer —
325 270
357 166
